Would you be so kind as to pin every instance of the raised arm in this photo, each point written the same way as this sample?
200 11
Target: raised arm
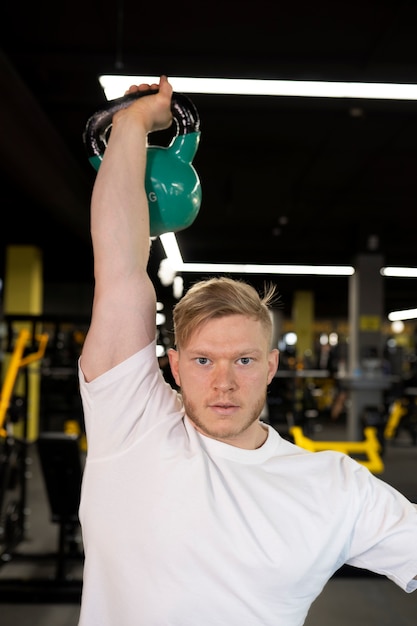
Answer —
123 316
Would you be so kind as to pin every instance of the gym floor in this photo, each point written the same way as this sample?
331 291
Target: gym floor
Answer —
349 598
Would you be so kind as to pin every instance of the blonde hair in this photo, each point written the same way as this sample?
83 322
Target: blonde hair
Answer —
218 297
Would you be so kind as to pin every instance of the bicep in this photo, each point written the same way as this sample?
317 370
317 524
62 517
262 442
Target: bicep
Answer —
123 322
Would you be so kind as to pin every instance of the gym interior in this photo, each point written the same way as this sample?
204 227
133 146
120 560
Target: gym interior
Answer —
287 181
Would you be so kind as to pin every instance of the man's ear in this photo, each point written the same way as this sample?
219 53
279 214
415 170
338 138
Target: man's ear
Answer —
173 357
273 362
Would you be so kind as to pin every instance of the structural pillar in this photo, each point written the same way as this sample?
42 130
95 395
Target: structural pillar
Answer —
303 318
23 295
365 380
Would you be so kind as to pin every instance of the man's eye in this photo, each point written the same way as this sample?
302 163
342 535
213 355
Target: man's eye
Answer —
245 360
202 360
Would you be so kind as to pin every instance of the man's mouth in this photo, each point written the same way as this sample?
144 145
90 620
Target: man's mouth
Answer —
224 408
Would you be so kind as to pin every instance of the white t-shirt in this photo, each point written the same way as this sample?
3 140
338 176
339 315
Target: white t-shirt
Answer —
183 530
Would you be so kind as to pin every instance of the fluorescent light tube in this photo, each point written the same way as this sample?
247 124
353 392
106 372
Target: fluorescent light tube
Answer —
173 254
236 268
116 85
407 314
399 272
172 250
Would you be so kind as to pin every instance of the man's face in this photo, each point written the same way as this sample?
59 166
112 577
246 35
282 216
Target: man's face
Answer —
223 373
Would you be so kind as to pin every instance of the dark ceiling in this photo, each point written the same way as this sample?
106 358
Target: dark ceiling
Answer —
284 180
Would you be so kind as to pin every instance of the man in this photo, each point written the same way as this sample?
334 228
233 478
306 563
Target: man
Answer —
193 512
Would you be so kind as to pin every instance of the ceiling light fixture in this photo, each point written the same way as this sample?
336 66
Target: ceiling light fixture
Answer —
115 85
176 263
399 272
407 314
250 268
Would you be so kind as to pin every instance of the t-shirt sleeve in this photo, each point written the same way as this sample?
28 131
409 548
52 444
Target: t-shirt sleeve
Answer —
122 404
385 536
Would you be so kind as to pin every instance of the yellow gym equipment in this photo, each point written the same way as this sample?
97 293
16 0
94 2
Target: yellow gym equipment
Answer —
369 448
18 360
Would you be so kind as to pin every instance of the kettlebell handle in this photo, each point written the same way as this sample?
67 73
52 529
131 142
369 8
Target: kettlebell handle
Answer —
184 114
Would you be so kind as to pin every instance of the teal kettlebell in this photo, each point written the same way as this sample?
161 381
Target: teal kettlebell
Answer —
172 184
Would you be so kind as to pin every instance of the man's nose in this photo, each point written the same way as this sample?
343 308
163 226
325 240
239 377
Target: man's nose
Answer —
224 377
